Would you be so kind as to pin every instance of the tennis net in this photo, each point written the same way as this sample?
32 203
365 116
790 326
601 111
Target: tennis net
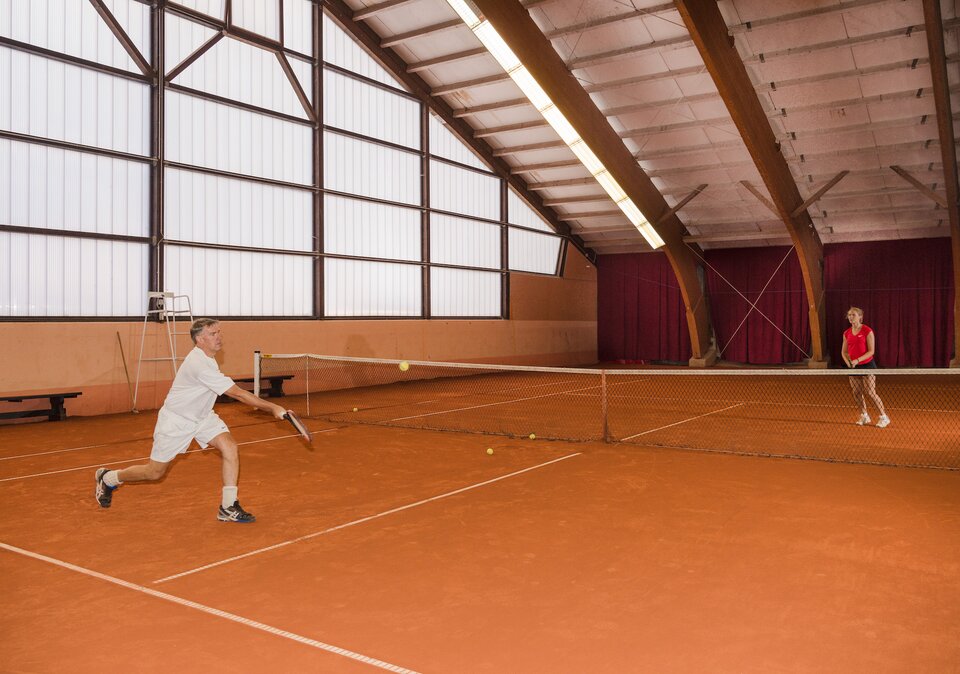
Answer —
788 413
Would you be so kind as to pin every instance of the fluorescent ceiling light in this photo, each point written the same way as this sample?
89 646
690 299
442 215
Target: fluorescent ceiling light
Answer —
499 49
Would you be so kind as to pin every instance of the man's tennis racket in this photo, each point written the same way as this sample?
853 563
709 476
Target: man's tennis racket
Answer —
298 425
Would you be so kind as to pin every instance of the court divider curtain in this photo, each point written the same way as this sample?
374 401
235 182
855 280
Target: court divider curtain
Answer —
905 289
640 311
758 341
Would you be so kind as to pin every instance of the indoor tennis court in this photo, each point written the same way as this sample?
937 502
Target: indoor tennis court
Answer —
479 336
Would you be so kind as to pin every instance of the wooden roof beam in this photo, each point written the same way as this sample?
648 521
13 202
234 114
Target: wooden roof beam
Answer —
534 50
716 47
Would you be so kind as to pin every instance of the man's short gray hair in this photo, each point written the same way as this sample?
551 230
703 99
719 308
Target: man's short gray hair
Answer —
199 325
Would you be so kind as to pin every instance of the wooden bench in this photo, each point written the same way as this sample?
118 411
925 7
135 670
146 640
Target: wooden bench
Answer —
275 390
57 411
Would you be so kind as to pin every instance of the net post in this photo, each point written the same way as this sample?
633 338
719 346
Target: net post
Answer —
256 373
603 406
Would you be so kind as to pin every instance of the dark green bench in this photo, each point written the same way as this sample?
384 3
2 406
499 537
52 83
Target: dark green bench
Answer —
56 412
275 390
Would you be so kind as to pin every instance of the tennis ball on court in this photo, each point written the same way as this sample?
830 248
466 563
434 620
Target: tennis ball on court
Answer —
354 409
489 450
404 366
533 436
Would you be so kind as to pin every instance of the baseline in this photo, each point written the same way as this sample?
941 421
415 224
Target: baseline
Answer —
213 611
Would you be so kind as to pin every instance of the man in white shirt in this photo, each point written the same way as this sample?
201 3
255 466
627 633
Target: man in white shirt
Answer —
187 414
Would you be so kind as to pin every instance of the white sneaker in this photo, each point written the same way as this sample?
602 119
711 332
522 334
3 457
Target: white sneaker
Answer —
865 419
883 421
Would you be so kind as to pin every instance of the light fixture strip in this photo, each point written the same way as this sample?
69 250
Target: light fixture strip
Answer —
518 72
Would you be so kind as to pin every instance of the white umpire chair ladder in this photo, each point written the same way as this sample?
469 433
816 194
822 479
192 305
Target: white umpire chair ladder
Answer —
170 310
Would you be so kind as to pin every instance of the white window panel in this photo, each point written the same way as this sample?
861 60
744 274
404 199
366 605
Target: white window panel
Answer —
444 143
366 229
298 26
464 292
520 213
464 242
464 191
65 276
258 16
304 74
240 283
204 133
181 38
371 170
241 72
363 288
50 99
530 251
216 209
370 111
47 187
214 8
341 50
134 18
68 27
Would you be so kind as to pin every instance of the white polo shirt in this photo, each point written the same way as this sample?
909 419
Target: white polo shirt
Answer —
196 386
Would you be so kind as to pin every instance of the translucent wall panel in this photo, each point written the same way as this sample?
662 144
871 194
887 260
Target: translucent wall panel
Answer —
213 8
341 50
64 276
47 98
534 252
241 72
258 16
298 26
303 71
134 18
464 242
68 27
235 283
464 191
520 213
214 209
362 288
204 133
463 292
443 143
181 38
47 187
367 229
370 111
358 167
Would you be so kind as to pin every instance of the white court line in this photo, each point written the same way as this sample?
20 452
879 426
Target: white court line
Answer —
73 449
362 520
144 458
503 402
214 611
654 430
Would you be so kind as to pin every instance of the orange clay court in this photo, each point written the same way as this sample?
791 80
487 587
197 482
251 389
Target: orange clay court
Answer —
383 547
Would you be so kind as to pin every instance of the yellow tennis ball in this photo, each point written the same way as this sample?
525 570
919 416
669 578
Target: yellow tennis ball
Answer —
489 450
533 436
354 409
404 366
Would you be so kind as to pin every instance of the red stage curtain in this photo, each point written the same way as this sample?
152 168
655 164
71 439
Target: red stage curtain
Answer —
905 289
640 311
758 341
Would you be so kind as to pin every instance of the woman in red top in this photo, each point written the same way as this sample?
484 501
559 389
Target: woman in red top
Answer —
858 348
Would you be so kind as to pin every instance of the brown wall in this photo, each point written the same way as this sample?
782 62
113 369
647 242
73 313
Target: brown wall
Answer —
553 322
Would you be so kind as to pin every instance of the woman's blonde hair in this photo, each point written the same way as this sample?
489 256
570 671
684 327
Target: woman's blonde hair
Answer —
857 309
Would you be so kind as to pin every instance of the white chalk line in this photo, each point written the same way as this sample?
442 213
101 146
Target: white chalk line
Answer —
677 423
362 520
374 662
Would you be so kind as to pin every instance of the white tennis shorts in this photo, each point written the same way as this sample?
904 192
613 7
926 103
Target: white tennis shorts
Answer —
174 433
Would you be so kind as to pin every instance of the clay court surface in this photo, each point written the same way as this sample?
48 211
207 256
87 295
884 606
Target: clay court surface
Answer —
384 547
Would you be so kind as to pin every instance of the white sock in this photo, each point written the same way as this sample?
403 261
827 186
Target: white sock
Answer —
112 478
229 497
